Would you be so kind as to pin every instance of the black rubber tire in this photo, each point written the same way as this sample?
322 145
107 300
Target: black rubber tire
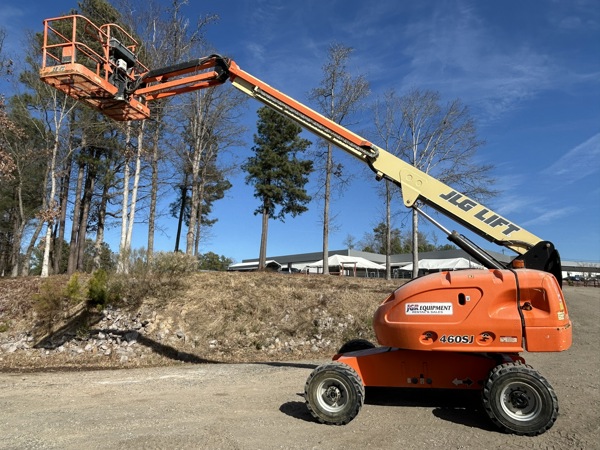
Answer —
355 345
519 400
334 393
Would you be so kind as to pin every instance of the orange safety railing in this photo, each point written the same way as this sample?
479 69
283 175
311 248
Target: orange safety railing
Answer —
71 39
77 59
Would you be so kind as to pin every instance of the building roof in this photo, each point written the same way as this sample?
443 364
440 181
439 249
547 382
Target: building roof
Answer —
348 262
401 260
253 265
445 264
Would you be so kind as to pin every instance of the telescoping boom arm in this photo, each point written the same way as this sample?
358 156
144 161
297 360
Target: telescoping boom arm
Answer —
114 82
416 185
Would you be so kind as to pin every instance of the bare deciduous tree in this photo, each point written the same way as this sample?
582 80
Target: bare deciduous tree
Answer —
439 139
385 120
209 131
6 63
338 97
167 38
62 107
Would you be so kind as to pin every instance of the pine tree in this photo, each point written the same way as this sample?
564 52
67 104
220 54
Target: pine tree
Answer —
278 176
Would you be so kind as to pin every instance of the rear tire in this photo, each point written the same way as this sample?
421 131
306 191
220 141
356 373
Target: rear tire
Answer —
519 400
334 393
355 345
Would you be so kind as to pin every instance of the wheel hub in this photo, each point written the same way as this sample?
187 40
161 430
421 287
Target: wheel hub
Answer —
333 395
519 400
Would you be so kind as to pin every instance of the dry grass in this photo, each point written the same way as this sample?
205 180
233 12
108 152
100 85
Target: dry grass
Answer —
235 317
248 313
17 301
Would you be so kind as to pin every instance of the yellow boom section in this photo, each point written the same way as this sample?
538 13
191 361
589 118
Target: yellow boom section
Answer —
416 185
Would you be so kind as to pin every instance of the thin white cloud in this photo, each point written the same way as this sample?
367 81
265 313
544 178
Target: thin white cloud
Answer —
582 16
509 204
267 12
10 21
550 215
578 163
8 13
455 51
256 52
515 200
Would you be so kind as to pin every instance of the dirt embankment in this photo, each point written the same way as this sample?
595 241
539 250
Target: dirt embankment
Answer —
204 317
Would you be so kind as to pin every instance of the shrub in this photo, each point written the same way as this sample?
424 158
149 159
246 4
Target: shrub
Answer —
169 266
159 277
138 265
51 302
98 289
74 290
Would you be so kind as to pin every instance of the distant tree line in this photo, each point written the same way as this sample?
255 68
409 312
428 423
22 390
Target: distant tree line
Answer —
399 243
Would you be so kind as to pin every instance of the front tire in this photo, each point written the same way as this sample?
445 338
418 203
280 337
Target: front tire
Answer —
519 400
334 393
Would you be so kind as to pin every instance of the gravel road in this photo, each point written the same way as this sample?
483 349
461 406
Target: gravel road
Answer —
259 406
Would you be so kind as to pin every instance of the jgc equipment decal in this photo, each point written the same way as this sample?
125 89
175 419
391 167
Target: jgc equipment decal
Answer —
431 309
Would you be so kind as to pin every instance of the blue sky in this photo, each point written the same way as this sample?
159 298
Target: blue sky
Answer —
529 71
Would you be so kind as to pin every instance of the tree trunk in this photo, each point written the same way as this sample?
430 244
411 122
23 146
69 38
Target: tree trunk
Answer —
153 194
326 200
86 203
122 266
46 257
36 232
197 235
30 247
50 209
201 193
388 233
64 201
72 264
189 243
101 222
415 240
198 230
19 228
136 182
262 257
59 115
181 211
195 169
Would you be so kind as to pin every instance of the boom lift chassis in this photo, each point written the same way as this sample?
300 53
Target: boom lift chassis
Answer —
453 330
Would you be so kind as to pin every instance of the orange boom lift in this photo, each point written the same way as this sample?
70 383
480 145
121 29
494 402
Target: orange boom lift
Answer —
460 330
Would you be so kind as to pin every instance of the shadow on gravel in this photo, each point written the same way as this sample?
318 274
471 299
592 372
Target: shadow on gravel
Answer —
463 408
85 319
472 418
460 407
297 410
296 365
164 350
69 332
80 319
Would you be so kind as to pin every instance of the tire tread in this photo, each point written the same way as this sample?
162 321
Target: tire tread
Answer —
517 367
355 380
